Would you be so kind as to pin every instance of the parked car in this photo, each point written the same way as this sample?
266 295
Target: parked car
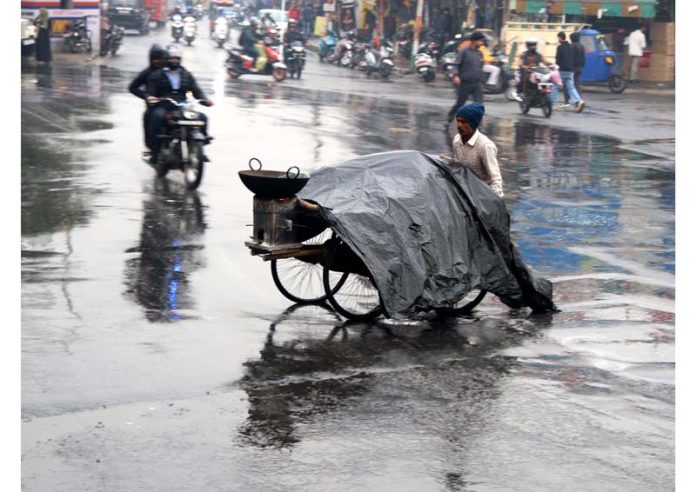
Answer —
130 14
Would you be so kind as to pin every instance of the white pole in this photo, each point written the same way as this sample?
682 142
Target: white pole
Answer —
418 27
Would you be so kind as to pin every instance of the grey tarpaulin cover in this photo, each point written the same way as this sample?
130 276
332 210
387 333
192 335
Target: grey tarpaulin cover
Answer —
428 231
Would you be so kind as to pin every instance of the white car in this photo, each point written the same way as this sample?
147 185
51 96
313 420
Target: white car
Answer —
280 17
28 31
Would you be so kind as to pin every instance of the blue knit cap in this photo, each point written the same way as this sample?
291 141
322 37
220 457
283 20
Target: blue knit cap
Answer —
472 113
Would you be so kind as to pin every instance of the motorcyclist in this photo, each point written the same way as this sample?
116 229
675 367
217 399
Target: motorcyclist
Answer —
137 87
172 81
248 39
528 59
293 34
492 70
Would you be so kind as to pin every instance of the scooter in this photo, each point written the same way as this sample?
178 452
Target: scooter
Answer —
222 31
327 45
112 40
177 27
190 29
380 62
343 55
238 63
425 65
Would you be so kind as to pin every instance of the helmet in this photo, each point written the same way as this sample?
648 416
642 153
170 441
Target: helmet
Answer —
531 42
157 53
245 23
292 23
477 36
174 51
466 37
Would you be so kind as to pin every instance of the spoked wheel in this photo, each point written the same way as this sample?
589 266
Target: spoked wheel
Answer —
302 281
465 304
193 170
617 84
357 298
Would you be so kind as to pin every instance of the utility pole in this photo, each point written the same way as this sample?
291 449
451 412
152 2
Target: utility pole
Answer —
418 28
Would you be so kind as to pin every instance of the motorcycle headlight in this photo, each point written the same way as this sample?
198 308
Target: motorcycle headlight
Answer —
609 60
189 112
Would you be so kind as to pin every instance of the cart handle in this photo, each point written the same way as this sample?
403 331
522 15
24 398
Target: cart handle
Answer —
296 175
252 167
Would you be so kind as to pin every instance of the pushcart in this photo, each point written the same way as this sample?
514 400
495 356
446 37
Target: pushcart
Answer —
310 263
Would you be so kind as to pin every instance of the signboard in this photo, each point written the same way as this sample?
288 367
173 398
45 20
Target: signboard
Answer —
329 7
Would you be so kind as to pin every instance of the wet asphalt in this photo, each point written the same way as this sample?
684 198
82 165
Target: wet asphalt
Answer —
157 354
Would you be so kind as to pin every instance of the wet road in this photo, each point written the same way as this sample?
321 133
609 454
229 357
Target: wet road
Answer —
158 355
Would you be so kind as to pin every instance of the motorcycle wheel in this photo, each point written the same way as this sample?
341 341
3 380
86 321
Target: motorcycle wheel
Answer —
73 48
196 165
220 43
114 50
617 84
546 107
233 74
279 74
103 51
188 42
161 167
430 76
299 71
524 107
346 60
88 46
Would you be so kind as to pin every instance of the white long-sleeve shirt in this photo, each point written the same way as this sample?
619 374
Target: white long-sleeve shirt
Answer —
481 155
636 43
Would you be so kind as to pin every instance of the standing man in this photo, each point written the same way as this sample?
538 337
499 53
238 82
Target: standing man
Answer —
447 24
475 150
578 60
617 46
469 66
308 19
636 44
565 59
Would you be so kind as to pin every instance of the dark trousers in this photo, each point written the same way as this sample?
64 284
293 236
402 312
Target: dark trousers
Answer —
158 117
146 127
464 90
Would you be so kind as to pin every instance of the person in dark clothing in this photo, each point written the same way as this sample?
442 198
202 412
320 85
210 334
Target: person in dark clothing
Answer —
447 23
43 37
172 81
617 46
469 76
565 59
579 61
137 87
528 59
308 19
248 39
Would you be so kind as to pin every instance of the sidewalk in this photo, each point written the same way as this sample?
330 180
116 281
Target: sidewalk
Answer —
402 67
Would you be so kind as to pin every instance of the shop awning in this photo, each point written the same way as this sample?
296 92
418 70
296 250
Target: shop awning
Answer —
609 8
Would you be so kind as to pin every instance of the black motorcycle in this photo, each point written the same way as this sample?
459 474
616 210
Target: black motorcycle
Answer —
112 40
79 37
177 27
295 58
182 142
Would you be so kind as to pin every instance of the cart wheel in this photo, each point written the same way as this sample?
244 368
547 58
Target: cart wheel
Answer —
617 84
465 304
302 281
357 297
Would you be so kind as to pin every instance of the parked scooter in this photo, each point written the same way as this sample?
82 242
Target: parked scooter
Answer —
380 62
177 27
343 54
79 37
221 34
327 45
190 29
538 93
425 62
238 63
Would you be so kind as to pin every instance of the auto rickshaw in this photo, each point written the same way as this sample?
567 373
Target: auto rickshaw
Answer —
600 62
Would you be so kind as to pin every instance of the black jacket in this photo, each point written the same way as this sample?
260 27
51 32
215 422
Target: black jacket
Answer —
139 83
469 65
578 56
291 36
565 58
158 85
248 38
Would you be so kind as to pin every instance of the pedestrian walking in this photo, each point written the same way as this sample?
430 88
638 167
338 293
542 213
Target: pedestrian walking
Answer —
469 65
565 59
474 149
636 44
578 60
43 38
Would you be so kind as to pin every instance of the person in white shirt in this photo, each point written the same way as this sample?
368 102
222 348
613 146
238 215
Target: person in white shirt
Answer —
636 44
475 150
